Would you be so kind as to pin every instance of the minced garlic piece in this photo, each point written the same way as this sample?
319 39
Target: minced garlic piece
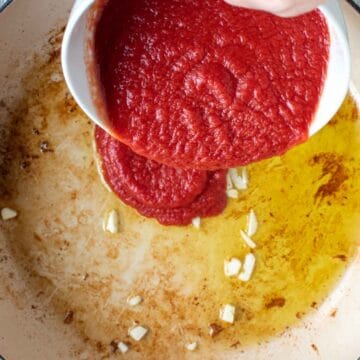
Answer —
138 332
196 222
248 268
239 181
124 348
111 222
252 223
191 346
249 242
134 300
7 213
227 313
232 193
232 267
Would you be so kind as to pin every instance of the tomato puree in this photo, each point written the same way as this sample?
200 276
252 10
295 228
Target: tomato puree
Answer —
172 196
200 84
192 87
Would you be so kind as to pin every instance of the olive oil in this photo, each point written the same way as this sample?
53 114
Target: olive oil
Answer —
307 203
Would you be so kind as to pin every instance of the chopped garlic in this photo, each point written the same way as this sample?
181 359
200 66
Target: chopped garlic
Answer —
196 222
7 213
227 313
234 176
124 348
249 242
192 346
252 223
239 182
232 267
56 77
134 300
138 332
229 184
111 223
245 176
232 193
84 356
248 268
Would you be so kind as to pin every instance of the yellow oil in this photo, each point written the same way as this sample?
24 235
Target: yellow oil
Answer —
307 204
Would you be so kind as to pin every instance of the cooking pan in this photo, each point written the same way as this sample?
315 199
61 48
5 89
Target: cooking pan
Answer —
64 281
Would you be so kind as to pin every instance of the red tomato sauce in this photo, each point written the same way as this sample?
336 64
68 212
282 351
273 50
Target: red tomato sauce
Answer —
172 196
204 85
195 86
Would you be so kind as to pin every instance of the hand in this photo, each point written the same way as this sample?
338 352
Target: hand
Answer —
285 8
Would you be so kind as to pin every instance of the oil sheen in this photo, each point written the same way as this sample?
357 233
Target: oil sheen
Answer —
307 204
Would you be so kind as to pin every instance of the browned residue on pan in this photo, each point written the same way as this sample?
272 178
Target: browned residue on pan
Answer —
332 167
314 347
275 302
